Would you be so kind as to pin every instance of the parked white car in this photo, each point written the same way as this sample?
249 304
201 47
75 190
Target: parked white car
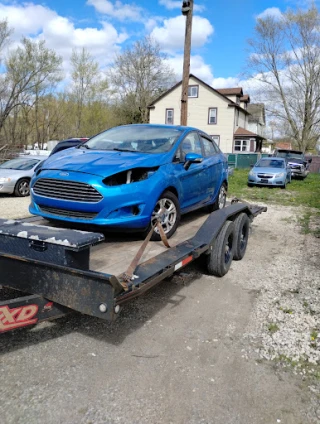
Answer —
15 174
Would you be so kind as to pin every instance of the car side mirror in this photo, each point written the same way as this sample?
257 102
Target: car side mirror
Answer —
251 166
310 160
192 158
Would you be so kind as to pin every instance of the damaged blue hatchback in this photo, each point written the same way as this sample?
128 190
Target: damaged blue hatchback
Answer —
131 176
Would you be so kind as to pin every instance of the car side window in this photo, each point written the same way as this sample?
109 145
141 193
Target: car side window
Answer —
191 143
209 148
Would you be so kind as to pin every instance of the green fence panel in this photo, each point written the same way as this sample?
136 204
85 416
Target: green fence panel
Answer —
244 160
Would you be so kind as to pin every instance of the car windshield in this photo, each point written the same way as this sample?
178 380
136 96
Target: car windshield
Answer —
142 139
270 163
21 164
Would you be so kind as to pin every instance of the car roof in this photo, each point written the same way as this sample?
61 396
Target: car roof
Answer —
289 151
178 127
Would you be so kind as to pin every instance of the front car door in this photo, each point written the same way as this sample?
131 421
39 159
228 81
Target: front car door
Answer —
193 190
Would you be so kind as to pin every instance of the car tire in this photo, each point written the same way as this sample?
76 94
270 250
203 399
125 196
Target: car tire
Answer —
170 215
241 234
249 185
220 258
22 188
220 201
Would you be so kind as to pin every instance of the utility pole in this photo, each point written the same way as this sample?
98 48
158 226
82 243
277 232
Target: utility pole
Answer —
187 9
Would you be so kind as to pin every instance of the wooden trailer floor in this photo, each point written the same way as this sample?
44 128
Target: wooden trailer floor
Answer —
114 255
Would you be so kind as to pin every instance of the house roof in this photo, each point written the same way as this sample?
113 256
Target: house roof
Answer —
218 92
245 98
237 91
242 131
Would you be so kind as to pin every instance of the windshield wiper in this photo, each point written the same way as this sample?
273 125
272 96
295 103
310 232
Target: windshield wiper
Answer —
124 150
84 145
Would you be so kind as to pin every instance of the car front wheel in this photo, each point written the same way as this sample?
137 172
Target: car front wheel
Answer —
167 212
22 188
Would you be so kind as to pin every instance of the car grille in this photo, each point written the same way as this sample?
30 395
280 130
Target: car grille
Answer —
68 213
265 176
66 190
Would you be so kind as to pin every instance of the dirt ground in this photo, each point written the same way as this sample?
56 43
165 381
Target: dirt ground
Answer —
194 350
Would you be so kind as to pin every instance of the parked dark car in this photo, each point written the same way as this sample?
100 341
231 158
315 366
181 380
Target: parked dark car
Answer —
66 144
131 176
297 161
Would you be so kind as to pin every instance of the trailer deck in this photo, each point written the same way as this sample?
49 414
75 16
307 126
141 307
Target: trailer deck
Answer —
59 270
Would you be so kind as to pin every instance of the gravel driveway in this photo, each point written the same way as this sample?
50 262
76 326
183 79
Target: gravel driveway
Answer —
244 348
14 207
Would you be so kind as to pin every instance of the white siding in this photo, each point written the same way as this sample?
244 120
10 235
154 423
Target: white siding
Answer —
198 109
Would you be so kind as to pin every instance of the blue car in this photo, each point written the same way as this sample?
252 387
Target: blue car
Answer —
270 171
130 176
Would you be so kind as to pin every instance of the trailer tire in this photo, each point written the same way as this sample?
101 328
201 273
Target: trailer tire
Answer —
241 235
220 258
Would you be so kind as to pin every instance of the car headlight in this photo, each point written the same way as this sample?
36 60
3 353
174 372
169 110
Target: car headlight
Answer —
130 176
252 174
5 180
282 174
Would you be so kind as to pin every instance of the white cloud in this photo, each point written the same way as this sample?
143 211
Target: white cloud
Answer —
173 4
27 19
117 9
170 36
61 34
225 82
273 12
197 67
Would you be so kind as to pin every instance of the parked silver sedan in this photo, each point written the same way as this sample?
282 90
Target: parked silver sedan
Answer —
15 174
270 171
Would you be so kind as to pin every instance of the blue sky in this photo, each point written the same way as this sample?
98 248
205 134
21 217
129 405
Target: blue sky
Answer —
220 30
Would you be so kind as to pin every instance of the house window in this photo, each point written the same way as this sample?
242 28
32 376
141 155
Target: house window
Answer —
242 146
169 116
193 90
212 115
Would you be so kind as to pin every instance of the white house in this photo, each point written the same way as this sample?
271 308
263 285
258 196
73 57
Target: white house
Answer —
220 113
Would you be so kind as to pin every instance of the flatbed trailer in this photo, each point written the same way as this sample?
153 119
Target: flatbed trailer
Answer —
50 272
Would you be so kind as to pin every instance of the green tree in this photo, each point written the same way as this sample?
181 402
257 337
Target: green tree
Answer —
31 70
88 85
138 76
285 56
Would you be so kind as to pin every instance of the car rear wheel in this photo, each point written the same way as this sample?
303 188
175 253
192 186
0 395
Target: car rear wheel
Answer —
220 201
167 211
22 188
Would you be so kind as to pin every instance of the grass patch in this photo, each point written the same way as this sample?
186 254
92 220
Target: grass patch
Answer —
273 328
298 192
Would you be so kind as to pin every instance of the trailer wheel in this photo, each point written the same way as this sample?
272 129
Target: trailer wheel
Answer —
220 258
241 233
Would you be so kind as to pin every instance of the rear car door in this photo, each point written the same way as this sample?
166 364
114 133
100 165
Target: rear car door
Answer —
214 161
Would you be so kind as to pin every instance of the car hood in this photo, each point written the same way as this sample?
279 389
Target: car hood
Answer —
102 163
14 173
268 170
